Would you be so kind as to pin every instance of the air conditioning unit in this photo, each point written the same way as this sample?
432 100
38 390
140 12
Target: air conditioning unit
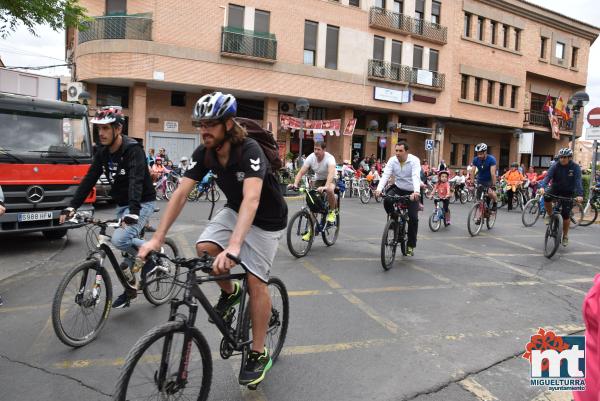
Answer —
286 108
74 89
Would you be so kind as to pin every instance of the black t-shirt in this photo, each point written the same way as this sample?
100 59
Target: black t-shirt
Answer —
245 162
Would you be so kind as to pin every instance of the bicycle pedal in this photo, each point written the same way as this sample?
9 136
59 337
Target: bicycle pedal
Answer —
252 387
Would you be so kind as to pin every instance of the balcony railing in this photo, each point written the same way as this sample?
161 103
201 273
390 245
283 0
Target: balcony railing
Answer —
383 71
117 27
401 23
239 42
540 119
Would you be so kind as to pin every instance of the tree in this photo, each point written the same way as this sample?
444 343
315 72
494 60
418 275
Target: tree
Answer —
58 14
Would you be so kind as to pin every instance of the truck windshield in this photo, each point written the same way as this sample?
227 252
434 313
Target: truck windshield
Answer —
27 133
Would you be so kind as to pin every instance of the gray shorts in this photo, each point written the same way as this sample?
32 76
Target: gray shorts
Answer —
258 250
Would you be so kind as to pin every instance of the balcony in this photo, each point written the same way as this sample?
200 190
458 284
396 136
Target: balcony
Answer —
540 119
117 27
404 24
403 74
252 45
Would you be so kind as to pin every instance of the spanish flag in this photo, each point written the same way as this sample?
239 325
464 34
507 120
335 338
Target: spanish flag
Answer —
568 113
559 108
548 108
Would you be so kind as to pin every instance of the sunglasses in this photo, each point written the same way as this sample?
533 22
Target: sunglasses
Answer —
206 124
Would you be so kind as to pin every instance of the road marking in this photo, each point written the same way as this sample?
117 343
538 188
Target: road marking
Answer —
306 293
24 308
433 274
401 288
324 277
576 280
529 248
577 262
554 396
477 390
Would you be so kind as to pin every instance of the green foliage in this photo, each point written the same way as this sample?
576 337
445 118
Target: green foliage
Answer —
290 156
58 14
586 185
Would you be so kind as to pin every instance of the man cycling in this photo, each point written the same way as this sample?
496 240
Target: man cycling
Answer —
123 162
566 182
406 169
323 164
486 172
514 180
249 226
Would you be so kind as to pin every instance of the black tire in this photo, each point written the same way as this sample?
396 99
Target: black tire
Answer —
151 342
61 306
170 188
470 196
278 323
213 197
330 233
589 217
530 213
520 200
553 235
297 227
388 245
434 225
475 217
463 197
194 194
54 234
365 195
162 290
576 214
490 220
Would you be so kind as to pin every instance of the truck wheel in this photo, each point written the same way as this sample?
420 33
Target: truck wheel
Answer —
54 234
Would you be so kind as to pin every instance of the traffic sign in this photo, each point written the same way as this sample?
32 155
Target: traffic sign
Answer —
592 134
593 117
428 144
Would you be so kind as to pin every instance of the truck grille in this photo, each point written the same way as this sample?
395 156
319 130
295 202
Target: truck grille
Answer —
55 196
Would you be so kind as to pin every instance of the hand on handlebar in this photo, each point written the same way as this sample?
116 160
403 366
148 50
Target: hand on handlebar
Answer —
149 246
223 263
66 213
293 187
415 196
579 199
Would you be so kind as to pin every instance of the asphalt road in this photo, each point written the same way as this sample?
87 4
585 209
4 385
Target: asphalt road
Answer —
448 324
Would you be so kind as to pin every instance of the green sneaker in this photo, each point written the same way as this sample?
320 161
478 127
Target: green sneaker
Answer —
331 216
410 251
227 301
256 367
306 236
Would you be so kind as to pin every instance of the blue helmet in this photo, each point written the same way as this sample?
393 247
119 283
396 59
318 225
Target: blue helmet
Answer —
215 106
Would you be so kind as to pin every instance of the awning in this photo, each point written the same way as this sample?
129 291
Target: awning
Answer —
418 130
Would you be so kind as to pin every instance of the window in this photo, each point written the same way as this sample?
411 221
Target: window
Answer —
505 35
178 99
418 56
396 52
466 159
490 92
502 95
494 26
467 29
419 9
355 3
112 96
398 6
560 51
380 3
543 43
464 86
480 28
434 56
436 12
477 89
574 53
378 48
261 21
116 7
317 113
513 96
331 47
517 39
310 42
236 16
453 153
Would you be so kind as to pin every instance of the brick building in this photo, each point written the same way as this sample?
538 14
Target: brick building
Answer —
455 71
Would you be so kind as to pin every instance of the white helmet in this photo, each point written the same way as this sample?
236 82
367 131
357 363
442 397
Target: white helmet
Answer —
183 159
482 147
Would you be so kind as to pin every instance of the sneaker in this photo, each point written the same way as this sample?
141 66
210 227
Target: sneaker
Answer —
565 241
123 301
331 216
227 301
546 220
306 236
256 367
410 251
150 229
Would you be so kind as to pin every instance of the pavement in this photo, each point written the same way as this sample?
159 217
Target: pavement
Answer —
450 323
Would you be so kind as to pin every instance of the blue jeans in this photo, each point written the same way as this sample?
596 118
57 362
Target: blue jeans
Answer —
126 238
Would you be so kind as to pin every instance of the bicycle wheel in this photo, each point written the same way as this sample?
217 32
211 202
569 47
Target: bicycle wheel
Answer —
490 220
531 213
331 231
388 244
470 195
193 195
365 195
377 198
434 222
81 304
520 200
576 214
300 234
170 188
463 197
590 214
553 235
161 278
278 322
475 220
213 196
152 366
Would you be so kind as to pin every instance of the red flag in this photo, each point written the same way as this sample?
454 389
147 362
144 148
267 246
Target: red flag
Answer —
548 108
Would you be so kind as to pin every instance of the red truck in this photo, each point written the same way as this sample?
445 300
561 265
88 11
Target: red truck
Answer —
45 151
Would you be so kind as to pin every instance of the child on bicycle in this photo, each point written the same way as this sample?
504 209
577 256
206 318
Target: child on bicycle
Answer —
442 188
373 177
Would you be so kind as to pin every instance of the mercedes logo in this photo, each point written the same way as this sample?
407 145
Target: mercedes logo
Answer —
35 194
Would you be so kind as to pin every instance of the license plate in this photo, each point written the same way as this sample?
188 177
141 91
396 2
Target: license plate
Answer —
35 216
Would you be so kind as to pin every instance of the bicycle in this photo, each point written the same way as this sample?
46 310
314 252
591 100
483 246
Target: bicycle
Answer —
395 231
166 185
88 287
535 208
310 221
554 230
590 211
481 211
437 216
207 188
160 361
458 193
368 192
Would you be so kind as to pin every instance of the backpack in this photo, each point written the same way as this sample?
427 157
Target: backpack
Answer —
265 140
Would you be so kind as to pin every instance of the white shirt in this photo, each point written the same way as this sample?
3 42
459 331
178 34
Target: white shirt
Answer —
321 168
459 179
407 175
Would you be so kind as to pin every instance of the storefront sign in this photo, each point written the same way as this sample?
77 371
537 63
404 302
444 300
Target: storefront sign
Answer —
391 95
526 143
357 145
425 77
171 126
424 99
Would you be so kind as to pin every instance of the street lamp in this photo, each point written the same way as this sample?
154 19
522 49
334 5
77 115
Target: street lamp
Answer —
577 101
373 125
302 106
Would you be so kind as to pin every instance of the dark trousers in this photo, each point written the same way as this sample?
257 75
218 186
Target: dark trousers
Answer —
509 194
413 213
